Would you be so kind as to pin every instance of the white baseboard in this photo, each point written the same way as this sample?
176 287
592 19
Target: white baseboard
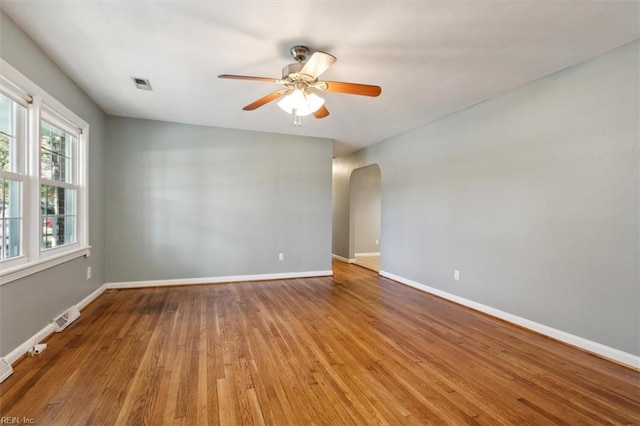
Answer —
90 298
376 253
343 259
604 351
22 350
47 330
218 280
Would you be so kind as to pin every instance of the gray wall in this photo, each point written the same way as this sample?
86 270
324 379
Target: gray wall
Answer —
365 209
29 304
188 201
533 196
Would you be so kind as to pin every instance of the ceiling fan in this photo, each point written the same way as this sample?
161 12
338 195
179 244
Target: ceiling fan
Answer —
300 80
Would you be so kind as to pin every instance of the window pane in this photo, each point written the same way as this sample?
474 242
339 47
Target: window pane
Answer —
6 115
58 215
5 152
11 120
45 164
10 231
56 148
10 218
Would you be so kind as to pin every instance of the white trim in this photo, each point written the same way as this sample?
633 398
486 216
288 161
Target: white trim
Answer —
604 351
29 268
22 350
13 176
377 253
54 118
33 239
217 280
12 90
44 106
29 88
64 185
90 298
343 259
5 370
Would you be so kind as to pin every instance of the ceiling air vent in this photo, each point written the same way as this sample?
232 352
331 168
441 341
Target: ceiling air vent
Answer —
142 83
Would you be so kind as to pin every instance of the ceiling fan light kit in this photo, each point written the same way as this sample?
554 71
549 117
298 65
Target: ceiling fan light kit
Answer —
301 103
301 81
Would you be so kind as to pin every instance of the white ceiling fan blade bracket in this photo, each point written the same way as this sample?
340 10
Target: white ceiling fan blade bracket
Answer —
320 85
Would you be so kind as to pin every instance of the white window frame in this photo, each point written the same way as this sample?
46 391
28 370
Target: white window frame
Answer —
40 105
20 175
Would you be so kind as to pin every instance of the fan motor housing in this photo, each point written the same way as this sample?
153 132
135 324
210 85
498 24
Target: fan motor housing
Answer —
292 73
291 69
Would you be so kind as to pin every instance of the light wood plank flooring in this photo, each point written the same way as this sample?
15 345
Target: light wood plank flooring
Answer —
353 349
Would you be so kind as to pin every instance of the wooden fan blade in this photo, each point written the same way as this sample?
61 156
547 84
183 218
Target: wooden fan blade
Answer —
246 77
265 99
318 63
322 112
352 88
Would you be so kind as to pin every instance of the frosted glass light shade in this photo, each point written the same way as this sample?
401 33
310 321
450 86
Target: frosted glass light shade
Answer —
304 103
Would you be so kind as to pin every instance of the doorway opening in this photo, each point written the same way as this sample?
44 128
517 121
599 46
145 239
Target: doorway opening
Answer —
365 217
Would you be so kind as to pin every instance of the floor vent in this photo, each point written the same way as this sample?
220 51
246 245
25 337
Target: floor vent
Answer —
63 321
5 370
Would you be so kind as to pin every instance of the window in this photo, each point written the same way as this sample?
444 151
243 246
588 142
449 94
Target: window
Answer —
12 143
43 170
57 186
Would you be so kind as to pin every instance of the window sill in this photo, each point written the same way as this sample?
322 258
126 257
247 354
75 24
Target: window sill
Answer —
30 268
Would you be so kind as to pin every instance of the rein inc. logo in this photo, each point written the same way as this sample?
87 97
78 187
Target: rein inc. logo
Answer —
17 421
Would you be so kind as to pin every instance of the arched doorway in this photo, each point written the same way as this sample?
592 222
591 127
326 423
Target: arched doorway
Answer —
365 216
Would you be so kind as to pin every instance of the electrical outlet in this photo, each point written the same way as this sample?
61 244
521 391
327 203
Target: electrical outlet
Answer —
37 349
281 256
456 275
377 242
88 272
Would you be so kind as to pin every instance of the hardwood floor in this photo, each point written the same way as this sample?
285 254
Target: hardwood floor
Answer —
353 349
369 262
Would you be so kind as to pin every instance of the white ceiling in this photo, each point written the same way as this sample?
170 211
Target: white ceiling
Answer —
431 58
